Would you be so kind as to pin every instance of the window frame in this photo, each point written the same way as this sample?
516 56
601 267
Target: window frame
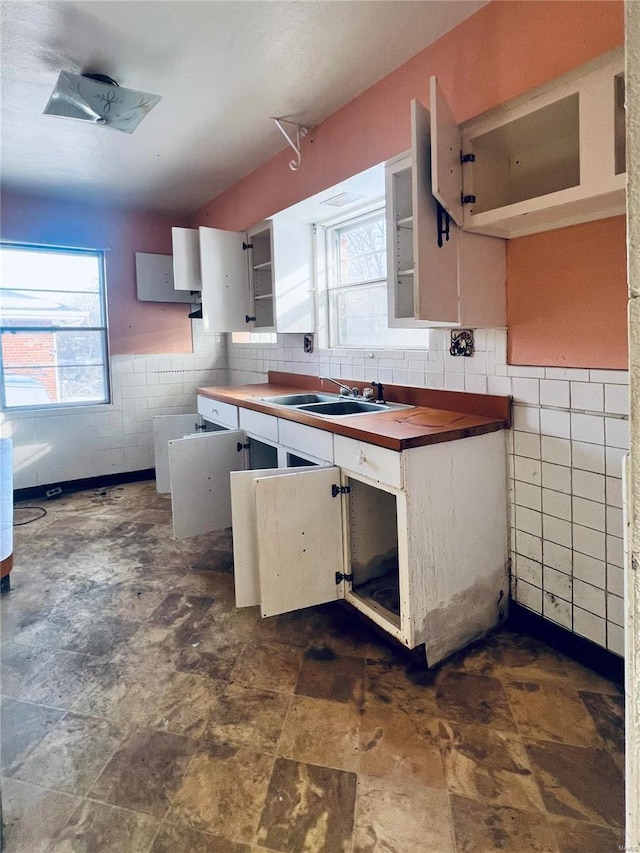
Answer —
99 254
325 262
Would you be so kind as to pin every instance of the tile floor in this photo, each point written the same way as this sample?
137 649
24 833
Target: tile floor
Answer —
143 712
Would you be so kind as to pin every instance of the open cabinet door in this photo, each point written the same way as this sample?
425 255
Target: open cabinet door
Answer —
245 533
165 428
435 247
446 147
199 468
299 535
225 281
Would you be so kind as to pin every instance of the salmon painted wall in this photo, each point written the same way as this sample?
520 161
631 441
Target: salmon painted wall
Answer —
135 328
569 310
500 52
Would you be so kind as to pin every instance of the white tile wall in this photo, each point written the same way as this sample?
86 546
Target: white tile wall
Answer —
74 444
570 433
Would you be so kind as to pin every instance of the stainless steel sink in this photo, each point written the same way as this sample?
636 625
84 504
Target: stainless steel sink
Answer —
346 407
300 399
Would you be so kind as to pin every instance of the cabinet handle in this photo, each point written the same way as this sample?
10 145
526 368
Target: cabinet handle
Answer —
361 458
214 411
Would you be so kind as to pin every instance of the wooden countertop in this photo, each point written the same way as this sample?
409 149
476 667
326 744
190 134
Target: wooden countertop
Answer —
437 415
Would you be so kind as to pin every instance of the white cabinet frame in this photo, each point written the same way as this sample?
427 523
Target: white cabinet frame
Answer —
554 150
261 279
438 275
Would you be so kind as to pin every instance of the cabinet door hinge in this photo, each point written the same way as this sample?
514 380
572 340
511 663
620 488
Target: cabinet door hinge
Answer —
340 577
241 446
249 319
246 246
339 490
467 158
467 199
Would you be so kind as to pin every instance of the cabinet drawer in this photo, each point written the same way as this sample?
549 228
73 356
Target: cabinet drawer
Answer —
257 423
219 413
378 463
315 442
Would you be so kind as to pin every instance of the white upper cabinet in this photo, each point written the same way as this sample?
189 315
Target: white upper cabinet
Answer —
437 274
187 274
225 281
259 280
550 158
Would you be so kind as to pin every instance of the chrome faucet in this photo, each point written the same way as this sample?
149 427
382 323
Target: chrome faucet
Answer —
345 391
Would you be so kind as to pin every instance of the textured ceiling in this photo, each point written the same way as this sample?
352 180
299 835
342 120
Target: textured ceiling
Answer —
222 68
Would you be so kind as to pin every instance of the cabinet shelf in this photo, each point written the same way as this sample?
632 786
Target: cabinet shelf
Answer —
263 296
407 272
264 266
405 222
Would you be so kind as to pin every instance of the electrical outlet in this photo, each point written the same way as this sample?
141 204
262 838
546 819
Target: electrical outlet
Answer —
308 343
462 342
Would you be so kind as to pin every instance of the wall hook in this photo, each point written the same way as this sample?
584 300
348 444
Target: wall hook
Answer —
301 131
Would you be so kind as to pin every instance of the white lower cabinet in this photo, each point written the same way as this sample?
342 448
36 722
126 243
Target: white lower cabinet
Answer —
426 562
416 541
165 428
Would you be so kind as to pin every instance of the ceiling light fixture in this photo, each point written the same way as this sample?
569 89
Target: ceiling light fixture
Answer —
100 100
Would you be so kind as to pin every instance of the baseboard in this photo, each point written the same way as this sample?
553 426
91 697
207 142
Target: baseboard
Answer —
602 661
69 486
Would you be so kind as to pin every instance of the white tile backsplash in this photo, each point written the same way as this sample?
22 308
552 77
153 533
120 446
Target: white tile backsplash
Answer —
615 639
617 433
554 392
528 596
555 423
617 399
589 598
556 477
588 625
588 457
590 570
527 470
587 428
557 610
590 542
557 583
588 396
556 450
556 530
589 513
557 557
557 504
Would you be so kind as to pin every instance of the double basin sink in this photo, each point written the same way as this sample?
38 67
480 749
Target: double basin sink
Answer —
328 405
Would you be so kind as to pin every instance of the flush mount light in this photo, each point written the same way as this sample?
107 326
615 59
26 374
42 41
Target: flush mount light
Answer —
98 99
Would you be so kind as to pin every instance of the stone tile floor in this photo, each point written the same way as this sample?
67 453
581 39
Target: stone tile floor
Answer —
142 712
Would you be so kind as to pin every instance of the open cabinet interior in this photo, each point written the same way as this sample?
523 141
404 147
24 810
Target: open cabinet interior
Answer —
262 274
373 549
402 244
528 157
295 461
262 455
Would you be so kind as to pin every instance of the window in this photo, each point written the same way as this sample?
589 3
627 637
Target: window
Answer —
53 328
357 287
